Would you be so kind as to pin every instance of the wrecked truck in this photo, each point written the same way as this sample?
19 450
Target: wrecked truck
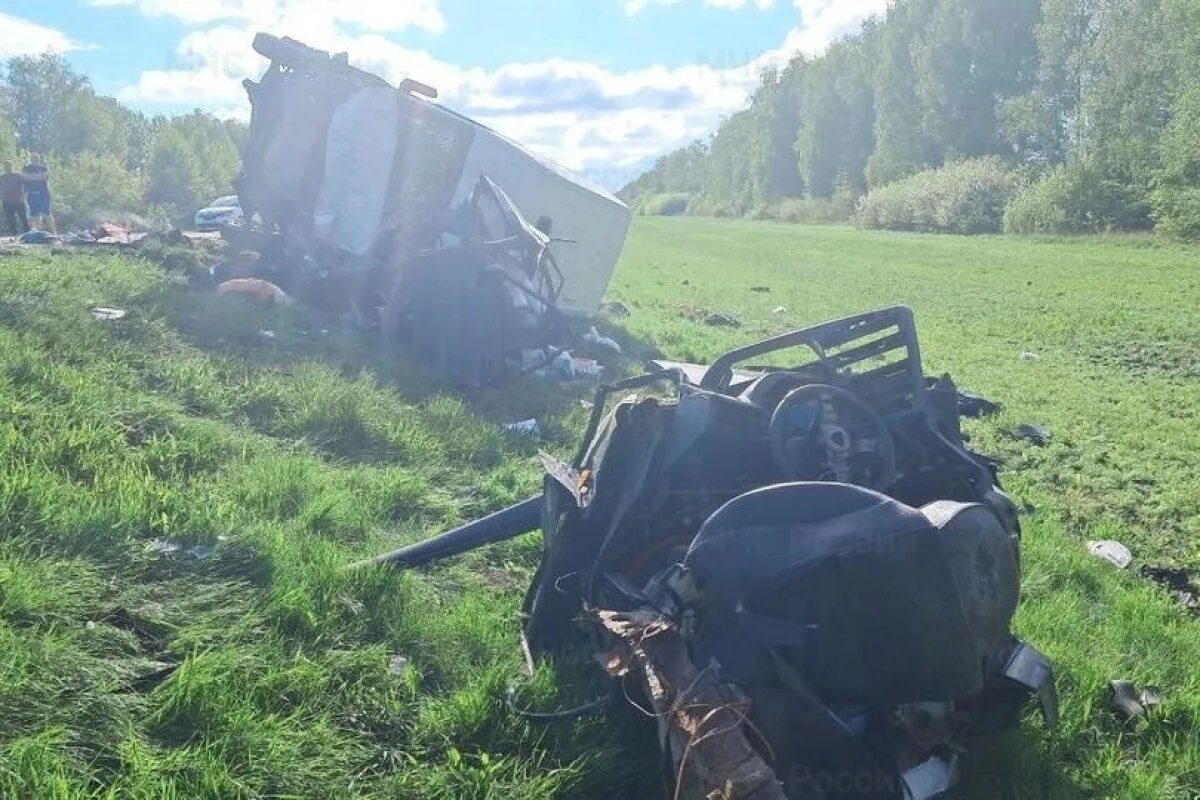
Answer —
801 573
376 200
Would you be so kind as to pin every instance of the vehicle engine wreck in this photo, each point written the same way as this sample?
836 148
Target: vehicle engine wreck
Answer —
804 570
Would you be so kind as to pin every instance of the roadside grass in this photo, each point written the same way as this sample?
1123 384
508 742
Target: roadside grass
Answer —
266 669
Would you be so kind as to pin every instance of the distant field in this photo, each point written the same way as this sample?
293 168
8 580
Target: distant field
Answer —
294 454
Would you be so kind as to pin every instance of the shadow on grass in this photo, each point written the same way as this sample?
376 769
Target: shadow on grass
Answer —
1017 763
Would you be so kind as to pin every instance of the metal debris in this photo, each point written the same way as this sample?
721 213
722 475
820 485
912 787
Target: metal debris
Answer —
718 320
1034 434
1133 703
975 406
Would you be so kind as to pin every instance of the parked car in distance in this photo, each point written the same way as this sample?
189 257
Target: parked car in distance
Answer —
222 211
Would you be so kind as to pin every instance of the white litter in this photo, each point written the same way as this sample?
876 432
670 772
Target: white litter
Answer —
108 314
595 339
779 310
1111 551
164 547
1027 357
526 427
201 551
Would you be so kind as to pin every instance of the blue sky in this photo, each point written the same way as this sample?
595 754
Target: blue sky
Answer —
603 86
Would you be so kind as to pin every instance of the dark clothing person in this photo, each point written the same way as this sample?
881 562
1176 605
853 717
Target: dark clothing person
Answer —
37 189
12 192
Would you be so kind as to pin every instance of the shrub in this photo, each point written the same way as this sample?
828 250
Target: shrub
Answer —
1175 201
819 210
967 196
1076 198
666 204
1176 211
94 187
706 207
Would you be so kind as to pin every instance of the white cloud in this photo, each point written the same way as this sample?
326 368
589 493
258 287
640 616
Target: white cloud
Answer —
604 122
633 7
370 15
585 116
823 22
20 37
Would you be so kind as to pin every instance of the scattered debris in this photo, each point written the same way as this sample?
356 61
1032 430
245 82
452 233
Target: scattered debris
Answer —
568 367
265 334
255 289
164 547
1111 551
108 314
201 237
201 552
107 234
975 406
1027 357
1034 434
760 289
1133 703
594 339
779 310
615 309
684 530
37 237
110 233
719 320
397 664
526 427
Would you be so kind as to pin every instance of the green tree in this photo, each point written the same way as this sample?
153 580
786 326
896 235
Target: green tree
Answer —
174 173
37 90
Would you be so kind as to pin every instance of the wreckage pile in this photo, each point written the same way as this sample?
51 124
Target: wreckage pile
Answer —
806 572
375 201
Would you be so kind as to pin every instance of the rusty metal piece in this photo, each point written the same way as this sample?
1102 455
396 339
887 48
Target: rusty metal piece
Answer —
703 719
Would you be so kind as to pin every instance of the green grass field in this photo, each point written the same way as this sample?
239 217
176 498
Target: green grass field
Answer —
266 669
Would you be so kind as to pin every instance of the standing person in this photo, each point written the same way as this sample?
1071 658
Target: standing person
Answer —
12 192
37 192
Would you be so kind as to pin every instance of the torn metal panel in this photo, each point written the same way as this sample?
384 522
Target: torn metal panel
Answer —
337 155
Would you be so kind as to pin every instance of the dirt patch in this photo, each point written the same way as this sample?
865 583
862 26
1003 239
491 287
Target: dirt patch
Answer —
1165 357
1179 583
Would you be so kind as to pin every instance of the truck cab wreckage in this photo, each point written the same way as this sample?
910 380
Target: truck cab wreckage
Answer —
803 569
372 199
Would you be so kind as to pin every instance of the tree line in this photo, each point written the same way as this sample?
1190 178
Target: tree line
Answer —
967 116
108 162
